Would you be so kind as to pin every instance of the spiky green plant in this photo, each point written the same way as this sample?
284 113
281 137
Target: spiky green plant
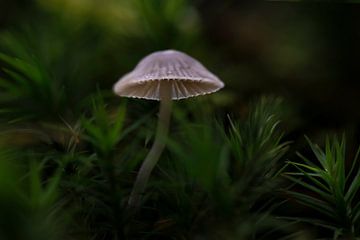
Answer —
30 208
330 188
26 86
257 148
44 69
98 187
223 178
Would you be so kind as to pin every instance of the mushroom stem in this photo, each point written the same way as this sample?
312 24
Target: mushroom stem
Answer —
157 147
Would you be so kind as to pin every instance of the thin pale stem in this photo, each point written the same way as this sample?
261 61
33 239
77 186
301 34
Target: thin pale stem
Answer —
157 148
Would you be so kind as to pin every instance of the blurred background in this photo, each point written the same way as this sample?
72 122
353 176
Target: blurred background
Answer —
305 51
56 55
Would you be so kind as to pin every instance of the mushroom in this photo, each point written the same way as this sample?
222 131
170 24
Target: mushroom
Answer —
163 76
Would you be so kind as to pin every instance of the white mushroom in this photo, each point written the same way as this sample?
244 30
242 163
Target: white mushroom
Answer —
164 76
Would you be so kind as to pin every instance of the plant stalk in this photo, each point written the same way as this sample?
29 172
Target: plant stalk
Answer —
157 148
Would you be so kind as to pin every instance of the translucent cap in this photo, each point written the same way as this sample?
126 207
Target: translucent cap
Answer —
187 76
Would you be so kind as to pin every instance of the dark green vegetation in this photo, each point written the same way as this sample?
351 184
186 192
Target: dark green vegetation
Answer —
237 164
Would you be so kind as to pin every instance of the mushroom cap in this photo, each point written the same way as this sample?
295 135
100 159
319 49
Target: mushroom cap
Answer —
187 76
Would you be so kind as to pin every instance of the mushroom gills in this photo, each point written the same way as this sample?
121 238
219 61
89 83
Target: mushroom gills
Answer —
180 89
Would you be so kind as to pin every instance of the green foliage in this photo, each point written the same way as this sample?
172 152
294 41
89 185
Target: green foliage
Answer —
104 133
206 157
97 186
330 189
40 76
30 208
227 175
42 196
257 148
27 85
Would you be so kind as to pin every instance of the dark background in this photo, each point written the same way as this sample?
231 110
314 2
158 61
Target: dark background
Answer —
306 51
